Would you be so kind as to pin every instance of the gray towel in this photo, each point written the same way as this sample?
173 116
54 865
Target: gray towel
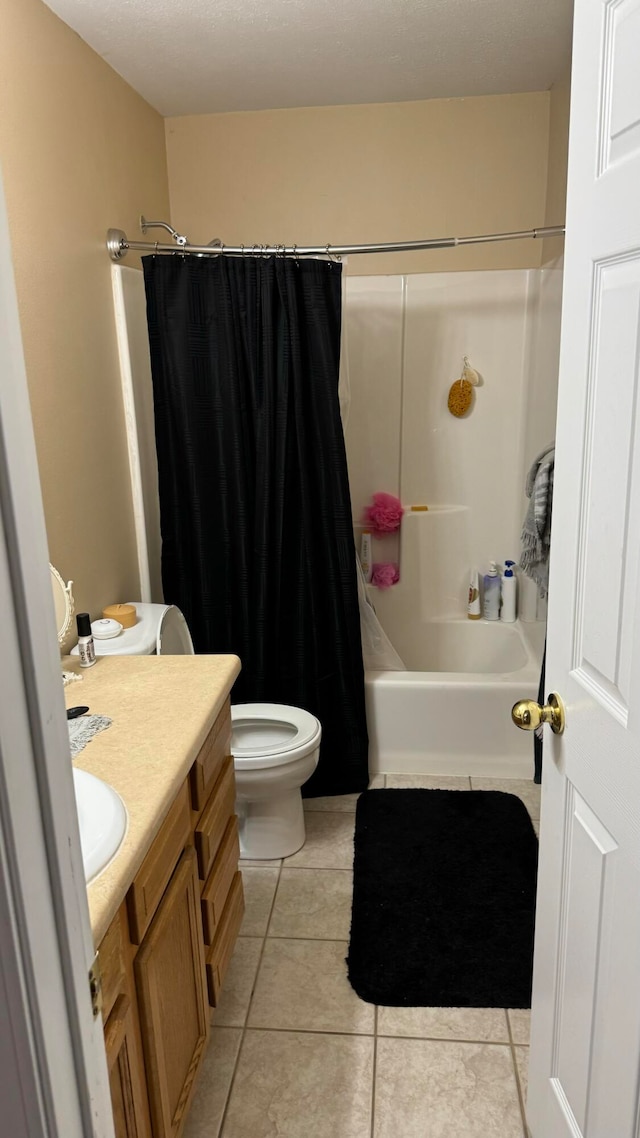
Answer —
536 528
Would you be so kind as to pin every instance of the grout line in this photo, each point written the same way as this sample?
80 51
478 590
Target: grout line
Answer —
312 1031
525 1128
244 1025
373 1073
315 868
264 944
325 868
315 939
369 1035
446 1039
311 939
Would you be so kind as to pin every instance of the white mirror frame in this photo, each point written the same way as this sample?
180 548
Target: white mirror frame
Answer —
66 594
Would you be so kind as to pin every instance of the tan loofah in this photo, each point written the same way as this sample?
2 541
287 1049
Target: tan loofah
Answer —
460 396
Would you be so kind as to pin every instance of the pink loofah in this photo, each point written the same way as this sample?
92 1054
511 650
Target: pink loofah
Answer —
384 515
385 574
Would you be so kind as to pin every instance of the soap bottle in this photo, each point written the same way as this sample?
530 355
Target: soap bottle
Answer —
491 602
509 590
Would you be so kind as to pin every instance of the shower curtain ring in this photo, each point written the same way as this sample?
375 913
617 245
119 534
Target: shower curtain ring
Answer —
333 257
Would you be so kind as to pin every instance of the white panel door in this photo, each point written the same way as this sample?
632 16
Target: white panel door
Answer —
585 1040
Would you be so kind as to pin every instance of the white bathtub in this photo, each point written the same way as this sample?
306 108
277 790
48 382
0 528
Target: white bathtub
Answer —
452 714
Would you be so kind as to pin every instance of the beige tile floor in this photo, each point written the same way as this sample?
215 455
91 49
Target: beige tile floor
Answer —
295 1053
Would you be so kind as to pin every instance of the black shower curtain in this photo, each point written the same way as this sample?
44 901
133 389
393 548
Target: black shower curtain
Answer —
257 537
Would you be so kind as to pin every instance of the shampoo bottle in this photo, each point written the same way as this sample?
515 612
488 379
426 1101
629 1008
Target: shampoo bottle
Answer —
365 555
473 606
491 605
509 589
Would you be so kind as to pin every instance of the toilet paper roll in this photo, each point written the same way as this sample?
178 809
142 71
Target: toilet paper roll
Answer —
125 614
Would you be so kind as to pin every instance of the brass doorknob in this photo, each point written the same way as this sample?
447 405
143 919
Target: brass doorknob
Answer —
527 714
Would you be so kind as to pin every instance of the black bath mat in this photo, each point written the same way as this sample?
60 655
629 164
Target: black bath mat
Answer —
443 899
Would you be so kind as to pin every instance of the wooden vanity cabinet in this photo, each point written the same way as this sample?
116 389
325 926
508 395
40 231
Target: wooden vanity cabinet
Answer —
160 971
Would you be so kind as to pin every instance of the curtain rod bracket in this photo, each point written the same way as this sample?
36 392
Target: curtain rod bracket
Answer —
117 244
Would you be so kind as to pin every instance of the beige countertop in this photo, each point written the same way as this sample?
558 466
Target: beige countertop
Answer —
162 709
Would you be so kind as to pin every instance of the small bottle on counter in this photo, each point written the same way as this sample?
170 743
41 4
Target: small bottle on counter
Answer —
86 646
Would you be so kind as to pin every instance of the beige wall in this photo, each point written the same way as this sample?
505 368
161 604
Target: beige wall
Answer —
557 166
80 151
379 172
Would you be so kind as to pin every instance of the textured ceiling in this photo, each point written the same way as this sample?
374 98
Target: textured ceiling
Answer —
197 56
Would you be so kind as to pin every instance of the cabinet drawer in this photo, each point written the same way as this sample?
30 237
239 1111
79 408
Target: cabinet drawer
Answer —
219 955
214 819
207 765
154 873
112 964
216 890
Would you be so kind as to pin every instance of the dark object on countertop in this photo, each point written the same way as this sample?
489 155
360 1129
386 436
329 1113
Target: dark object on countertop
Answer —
443 899
74 712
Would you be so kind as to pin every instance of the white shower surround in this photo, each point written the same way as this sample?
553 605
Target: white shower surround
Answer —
407 337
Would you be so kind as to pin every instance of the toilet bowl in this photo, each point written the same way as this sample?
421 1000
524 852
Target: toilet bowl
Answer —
275 750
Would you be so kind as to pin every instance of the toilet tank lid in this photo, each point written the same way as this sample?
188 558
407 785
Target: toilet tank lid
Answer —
174 638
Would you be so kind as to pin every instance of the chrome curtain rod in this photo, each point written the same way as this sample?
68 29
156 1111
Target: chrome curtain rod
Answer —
118 244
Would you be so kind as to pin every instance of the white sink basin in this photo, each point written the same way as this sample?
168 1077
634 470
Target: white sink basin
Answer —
103 821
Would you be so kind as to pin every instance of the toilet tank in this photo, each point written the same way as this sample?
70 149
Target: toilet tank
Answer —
159 629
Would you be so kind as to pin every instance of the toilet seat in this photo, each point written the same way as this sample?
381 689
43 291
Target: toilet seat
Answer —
271 734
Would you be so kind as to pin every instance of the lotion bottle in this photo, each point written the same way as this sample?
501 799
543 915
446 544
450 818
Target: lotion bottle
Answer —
86 648
509 589
491 604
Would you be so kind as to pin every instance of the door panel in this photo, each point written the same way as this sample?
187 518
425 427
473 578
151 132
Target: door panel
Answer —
584 1072
126 1079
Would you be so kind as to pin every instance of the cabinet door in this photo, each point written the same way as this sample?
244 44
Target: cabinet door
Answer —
126 1079
172 997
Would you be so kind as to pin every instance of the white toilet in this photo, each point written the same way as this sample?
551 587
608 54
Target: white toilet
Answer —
275 750
275 747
